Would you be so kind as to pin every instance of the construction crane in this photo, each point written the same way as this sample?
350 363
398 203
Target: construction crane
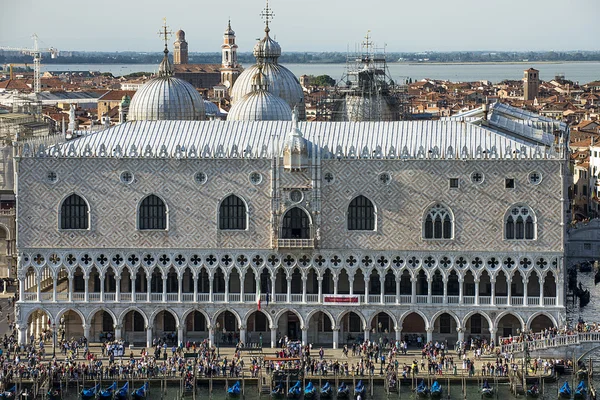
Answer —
36 53
12 65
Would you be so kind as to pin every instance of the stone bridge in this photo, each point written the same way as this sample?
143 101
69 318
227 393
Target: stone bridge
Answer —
563 346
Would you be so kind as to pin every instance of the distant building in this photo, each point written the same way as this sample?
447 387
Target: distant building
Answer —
180 49
531 84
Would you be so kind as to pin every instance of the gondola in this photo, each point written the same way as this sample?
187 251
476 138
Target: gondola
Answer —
342 391
27 394
422 390
310 391
360 390
533 392
9 393
565 391
326 392
582 373
436 390
122 393
581 391
89 394
278 391
235 390
295 391
140 393
108 392
487 390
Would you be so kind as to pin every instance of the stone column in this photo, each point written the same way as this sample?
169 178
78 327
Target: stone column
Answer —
398 329
22 287
289 290
180 334
429 334
54 283
39 290
243 334
133 289
413 290
117 288
242 279
493 335
164 288
335 284
493 289
367 281
22 334
461 284
461 334
118 334
320 284
86 294
542 291
429 282
508 292
179 287
273 337
445 280
367 332
149 288
397 291
477 292
304 280
351 282
148 337
560 293
102 288
273 280
382 291
195 277
336 333
226 295
211 335
304 336
525 300
86 332
210 290
70 278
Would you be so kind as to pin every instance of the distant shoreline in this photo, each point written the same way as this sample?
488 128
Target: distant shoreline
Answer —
489 62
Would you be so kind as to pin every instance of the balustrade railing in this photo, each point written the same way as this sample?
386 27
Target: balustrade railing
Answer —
468 299
46 296
485 300
437 299
453 299
62 296
218 297
234 297
29 296
421 299
533 301
280 298
405 299
203 297
125 296
172 297
249 298
549 301
296 298
94 296
374 298
516 301
78 296
389 299
501 300
156 296
110 297
187 297
141 297
312 298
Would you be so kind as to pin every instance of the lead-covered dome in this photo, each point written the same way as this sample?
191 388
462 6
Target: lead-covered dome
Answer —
267 48
260 104
166 98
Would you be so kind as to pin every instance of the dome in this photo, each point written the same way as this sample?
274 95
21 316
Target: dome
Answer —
180 35
366 108
210 108
267 49
260 104
125 100
166 98
281 82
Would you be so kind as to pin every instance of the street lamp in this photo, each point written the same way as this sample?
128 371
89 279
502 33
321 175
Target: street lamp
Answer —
53 340
218 332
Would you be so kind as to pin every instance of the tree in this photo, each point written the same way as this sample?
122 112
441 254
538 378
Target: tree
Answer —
323 80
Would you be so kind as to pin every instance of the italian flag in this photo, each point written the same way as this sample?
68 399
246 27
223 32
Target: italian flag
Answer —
258 296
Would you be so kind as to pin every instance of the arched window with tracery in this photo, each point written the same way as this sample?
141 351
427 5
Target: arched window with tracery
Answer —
438 223
296 224
152 214
520 224
233 214
74 213
361 214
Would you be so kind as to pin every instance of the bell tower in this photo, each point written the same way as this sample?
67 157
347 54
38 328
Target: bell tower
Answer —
531 84
180 49
230 69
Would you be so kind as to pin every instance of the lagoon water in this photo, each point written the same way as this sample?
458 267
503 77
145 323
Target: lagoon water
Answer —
581 72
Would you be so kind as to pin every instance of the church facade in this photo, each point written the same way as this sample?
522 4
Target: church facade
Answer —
447 229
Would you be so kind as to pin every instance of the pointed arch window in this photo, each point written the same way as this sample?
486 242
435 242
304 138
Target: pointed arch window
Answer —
296 224
438 223
152 214
361 214
74 213
520 224
233 214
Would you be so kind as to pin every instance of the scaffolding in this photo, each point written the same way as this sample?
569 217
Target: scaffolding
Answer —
367 91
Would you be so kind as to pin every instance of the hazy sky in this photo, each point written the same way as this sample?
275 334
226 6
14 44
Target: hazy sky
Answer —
307 25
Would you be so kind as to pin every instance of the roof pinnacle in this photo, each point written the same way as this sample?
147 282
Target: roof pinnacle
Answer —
267 15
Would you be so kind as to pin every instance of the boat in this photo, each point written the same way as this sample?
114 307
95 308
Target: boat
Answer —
9 393
140 393
436 389
278 391
359 389
295 391
342 390
533 392
486 389
89 394
234 391
422 390
565 391
27 394
582 373
108 392
310 391
581 391
325 392
122 393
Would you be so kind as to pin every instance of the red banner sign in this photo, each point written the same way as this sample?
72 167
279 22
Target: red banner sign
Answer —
340 298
